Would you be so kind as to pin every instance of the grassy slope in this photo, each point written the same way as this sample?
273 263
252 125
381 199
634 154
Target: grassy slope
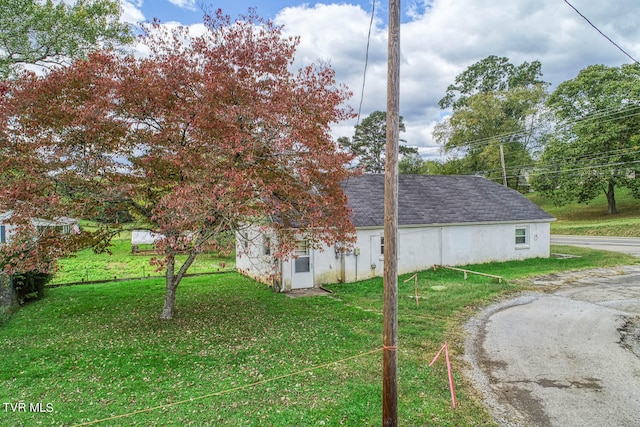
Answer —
592 219
100 351
121 263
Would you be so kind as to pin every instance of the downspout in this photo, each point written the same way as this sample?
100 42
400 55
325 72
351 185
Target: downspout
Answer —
355 255
441 248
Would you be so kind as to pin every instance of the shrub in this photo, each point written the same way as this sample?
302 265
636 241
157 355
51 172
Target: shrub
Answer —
29 286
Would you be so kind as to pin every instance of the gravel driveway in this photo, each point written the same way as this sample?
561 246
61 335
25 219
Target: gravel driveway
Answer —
568 355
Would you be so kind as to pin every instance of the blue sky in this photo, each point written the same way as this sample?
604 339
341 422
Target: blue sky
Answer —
439 40
189 13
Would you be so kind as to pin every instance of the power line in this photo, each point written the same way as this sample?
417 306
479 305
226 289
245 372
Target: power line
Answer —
549 166
603 116
603 34
366 59
602 166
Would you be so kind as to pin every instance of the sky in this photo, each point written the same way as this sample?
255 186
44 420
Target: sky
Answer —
439 40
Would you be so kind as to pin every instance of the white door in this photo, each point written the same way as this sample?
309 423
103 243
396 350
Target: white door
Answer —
302 266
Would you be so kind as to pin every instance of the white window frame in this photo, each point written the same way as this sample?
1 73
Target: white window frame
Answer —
525 244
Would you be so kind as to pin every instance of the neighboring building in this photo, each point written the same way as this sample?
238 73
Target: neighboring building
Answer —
64 224
142 241
445 220
9 295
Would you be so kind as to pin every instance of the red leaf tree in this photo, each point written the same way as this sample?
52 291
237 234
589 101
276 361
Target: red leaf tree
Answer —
201 136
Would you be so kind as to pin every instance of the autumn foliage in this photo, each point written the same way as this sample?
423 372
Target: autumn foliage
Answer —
203 135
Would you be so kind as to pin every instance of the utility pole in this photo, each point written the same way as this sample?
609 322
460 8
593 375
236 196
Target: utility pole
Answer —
390 334
504 168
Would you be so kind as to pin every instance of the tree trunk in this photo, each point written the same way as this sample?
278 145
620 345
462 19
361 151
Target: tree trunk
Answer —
611 198
169 300
172 281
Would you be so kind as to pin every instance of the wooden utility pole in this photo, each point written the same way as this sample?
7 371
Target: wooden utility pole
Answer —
390 338
504 168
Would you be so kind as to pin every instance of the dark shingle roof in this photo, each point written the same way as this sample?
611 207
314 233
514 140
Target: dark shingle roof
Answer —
439 199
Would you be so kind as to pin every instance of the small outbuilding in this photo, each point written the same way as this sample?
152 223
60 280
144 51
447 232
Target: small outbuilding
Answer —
63 225
442 219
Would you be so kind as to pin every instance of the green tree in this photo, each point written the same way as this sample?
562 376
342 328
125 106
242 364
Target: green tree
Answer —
595 148
451 166
494 104
48 33
369 142
413 164
491 74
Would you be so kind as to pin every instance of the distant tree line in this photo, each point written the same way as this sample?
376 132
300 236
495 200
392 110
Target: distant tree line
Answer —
572 144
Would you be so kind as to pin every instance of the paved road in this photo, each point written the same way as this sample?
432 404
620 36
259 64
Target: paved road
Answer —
628 245
564 357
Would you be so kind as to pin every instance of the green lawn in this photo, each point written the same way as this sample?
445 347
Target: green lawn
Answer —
100 352
592 218
122 264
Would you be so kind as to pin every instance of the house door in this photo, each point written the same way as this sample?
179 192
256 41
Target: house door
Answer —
302 266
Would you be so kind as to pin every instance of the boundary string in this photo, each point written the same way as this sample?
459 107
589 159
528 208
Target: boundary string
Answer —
219 393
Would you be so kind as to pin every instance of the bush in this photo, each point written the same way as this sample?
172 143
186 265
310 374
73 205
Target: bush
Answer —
30 286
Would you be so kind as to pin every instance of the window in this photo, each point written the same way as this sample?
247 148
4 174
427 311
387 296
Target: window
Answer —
302 261
522 236
381 245
3 234
267 245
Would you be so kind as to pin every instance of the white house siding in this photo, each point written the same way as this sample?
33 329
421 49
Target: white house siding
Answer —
473 244
419 248
252 258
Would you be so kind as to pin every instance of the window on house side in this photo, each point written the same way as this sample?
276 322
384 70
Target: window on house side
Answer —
267 245
3 235
522 236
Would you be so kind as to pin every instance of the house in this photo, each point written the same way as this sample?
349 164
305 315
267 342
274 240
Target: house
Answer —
64 225
446 220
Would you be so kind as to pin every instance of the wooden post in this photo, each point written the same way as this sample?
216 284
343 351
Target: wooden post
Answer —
390 334
504 168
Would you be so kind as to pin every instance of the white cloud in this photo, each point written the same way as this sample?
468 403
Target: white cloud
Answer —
131 12
445 37
186 4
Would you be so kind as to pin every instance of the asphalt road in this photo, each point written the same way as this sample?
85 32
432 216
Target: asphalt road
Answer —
568 355
628 245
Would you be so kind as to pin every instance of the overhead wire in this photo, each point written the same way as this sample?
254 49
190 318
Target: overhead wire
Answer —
366 60
601 33
604 165
551 166
604 116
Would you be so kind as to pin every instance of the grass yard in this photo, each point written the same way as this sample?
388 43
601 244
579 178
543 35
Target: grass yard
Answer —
592 218
100 352
87 266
